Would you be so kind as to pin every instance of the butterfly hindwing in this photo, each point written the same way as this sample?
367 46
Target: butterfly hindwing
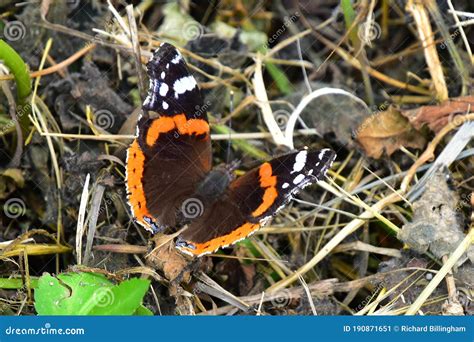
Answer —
252 199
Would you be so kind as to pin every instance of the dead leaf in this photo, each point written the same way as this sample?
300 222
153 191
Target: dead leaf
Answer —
167 259
436 117
387 131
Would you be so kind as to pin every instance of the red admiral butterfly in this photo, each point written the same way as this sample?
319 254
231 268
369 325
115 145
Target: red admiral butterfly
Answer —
170 179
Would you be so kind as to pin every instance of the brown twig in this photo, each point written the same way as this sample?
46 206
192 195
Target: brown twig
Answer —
86 49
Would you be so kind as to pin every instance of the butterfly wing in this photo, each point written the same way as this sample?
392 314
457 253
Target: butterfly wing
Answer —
171 153
252 199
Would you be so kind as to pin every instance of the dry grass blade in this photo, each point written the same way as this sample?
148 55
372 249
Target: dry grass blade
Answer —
81 219
461 29
362 246
136 49
209 286
426 35
92 220
308 294
262 102
36 249
20 245
38 117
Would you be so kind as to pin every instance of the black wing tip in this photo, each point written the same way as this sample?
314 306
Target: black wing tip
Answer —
324 156
172 89
162 56
329 155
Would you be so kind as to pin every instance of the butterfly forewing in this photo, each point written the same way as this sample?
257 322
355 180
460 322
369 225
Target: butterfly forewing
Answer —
172 151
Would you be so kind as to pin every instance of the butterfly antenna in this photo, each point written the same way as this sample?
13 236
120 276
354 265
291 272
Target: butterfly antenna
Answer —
231 109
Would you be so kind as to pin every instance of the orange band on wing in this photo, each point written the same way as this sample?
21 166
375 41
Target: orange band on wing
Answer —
136 196
222 241
268 182
194 126
165 124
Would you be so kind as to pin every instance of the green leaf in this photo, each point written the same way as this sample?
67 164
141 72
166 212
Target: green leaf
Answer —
122 299
88 294
18 67
143 311
241 144
282 82
349 16
16 283
255 40
279 77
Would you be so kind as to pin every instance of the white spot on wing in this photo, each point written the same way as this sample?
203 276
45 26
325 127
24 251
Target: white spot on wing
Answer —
163 75
183 85
164 89
298 179
176 58
300 161
285 185
165 105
